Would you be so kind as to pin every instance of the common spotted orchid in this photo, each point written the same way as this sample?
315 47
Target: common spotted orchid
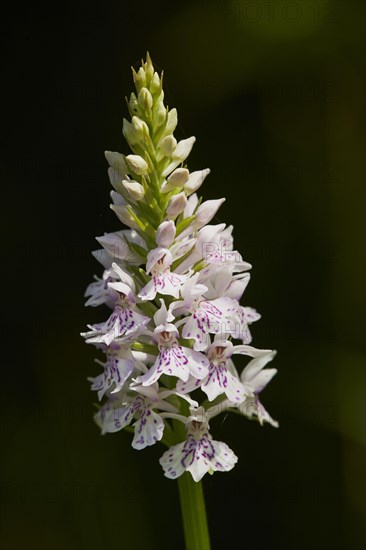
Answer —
176 335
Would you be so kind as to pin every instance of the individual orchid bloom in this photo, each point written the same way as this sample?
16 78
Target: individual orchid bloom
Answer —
179 154
219 380
117 246
214 247
253 408
203 212
255 378
220 250
118 367
205 236
163 280
220 281
123 322
207 316
173 359
125 319
199 454
141 404
115 416
243 317
99 292
222 377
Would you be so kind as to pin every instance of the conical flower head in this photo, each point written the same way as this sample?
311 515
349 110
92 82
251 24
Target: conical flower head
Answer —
176 337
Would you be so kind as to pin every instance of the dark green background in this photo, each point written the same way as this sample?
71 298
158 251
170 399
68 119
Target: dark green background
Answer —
274 93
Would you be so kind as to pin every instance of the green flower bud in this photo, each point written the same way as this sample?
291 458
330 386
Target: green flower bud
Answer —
145 100
172 122
140 127
130 133
133 103
160 114
155 84
149 68
136 132
139 78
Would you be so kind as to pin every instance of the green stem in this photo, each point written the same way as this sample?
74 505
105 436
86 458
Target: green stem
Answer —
192 502
193 509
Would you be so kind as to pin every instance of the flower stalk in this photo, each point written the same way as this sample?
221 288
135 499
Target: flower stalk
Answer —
193 509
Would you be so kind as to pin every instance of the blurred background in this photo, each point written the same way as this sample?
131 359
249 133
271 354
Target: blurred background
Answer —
274 93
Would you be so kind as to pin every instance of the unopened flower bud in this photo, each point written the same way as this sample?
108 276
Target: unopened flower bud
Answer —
179 177
117 198
183 148
133 103
160 114
145 100
207 211
140 127
124 215
176 180
115 177
168 145
137 164
130 133
172 121
165 234
139 78
116 161
155 84
180 154
176 205
195 181
136 132
134 189
149 68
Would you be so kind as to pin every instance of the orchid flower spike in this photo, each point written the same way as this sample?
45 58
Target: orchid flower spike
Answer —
176 340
